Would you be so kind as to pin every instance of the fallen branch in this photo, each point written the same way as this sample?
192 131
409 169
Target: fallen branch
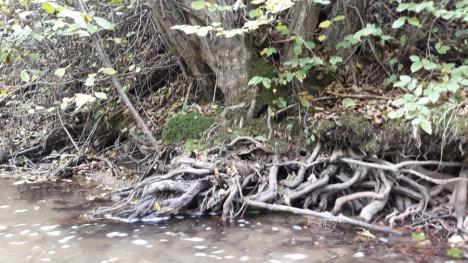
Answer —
340 219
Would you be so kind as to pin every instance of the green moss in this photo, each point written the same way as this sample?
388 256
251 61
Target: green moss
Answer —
254 127
191 145
185 126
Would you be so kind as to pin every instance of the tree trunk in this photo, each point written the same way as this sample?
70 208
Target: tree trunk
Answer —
303 22
216 62
354 12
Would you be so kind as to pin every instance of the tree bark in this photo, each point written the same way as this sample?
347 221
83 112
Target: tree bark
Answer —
354 12
216 62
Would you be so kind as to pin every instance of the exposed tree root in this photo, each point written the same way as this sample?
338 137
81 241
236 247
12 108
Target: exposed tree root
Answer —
246 173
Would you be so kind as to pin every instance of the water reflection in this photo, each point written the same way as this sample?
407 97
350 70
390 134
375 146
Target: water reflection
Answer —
41 223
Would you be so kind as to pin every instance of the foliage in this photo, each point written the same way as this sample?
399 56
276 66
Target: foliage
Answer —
434 80
420 46
185 126
46 47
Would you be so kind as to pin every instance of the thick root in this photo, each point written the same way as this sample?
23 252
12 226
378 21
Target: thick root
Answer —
228 180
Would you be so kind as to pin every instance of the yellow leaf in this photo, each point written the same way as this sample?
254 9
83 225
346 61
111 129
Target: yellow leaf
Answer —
87 17
108 71
322 38
157 207
325 24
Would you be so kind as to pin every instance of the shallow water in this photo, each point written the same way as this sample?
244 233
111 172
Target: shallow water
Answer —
41 223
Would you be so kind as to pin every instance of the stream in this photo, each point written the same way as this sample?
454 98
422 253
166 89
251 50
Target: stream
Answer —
42 223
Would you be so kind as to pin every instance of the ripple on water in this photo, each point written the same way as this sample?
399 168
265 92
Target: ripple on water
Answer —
116 234
66 239
139 242
194 239
54 233
295 256
48 228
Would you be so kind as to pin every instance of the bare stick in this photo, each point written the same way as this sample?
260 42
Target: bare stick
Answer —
67 132
461 199
341 219
97 41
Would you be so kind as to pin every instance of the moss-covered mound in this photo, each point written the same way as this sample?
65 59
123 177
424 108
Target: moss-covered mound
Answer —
352 130
182 127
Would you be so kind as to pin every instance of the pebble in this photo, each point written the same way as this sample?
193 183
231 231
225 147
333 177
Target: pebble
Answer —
359 254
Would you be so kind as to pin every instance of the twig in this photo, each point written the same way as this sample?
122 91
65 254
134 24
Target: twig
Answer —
67 132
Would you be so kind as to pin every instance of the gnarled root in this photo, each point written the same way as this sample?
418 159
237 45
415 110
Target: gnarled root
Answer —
225 182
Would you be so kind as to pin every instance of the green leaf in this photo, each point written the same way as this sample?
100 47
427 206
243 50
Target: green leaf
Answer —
428 65
338 18
100 95
60 72
25 76
454 252
441 48
198 5
21 160
255 13
283 29
418 236
348 103
48 7
297 50
416 66
414 58
268 51
266 82
304 102
108 71
399 22
414 21
404 80
425 125
103 23
255 81
335 60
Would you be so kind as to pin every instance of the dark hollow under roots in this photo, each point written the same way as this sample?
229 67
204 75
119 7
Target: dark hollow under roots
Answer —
342 187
